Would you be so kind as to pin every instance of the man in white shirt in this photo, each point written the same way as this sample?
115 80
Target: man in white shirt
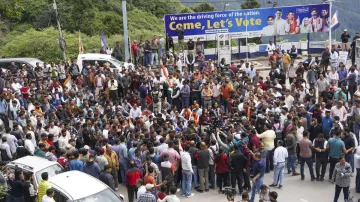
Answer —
187 171
289 99
269 30
16 86
12 141
4 147
270 48
281 25
141 187
28 144
54 130
135 112
280 155
339 110
49 197
113 87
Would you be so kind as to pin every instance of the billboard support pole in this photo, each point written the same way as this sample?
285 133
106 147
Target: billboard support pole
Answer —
246 39
330 16
308 42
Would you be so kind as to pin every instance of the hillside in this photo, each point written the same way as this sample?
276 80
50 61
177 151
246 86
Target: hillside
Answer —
28 28
348 12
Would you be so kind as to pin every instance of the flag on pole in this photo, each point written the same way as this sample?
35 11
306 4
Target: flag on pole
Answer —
335 21
103 41
81 47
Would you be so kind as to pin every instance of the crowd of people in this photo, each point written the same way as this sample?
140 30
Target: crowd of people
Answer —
194 125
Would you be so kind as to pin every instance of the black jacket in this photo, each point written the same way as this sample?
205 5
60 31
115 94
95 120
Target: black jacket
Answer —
237 162
108 179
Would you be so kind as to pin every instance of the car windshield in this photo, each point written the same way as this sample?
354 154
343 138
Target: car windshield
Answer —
116 62
105 195
51 170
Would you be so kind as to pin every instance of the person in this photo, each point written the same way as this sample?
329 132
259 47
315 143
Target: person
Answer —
292 23
280 155
16 193
133 181
172 197
259 171
336 148
281 25
203 156
342 178
147 196
264 193
117 51
245 197
270 48
345 36
321 156
162 193
76 164
113 161
92 168
187 172
306 156
315 21
221 161
29 191
273 196
305 26
270 29
291 146
140 185
43 186
49 197
357 167
107 178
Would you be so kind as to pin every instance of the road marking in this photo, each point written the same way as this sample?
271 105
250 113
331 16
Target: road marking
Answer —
303 200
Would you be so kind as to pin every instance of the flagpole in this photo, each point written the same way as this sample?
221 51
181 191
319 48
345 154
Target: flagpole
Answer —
246 40
330 16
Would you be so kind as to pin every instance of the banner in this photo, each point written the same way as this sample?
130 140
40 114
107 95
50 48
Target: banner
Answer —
258 22
103 40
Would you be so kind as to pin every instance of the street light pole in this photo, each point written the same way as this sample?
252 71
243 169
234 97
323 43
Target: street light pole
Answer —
126 38
61 39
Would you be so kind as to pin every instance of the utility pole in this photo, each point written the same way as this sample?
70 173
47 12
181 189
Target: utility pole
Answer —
126 38
61 40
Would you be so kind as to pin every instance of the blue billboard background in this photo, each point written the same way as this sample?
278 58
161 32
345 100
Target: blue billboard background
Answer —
264 21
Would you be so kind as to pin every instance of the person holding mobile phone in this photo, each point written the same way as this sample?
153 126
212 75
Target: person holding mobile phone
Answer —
342 178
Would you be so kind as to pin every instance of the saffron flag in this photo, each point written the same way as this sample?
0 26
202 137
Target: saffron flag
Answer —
81 47
335 21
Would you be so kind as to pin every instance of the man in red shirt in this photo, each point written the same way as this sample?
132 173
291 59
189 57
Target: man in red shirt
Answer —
254 141
225 95
134 51
274 58
132 175
25 90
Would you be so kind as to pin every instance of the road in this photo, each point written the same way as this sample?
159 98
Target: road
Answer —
294 190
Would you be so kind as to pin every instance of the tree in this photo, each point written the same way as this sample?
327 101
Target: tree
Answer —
249 4
203 7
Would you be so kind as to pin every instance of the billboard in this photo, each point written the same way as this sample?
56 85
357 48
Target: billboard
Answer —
253 22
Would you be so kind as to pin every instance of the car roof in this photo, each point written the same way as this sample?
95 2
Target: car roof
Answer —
31 61
77 184
33 163
94 56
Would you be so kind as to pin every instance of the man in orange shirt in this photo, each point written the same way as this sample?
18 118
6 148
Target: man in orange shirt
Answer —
149 179
225 95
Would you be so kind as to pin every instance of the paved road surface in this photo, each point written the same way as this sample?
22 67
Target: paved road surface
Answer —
294 190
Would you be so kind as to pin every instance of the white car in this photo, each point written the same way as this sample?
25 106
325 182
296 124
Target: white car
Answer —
36 165
101 59
76 186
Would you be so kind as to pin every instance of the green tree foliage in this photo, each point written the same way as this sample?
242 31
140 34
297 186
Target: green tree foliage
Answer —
203 7
10 9
248 4
43 44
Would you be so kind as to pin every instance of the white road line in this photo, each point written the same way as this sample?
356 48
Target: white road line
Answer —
303 200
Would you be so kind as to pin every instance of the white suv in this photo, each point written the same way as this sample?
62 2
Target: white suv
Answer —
101 59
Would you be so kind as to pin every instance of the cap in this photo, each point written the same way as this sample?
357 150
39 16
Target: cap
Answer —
149 186
86 147
337 122
302 105
327 110
345 30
